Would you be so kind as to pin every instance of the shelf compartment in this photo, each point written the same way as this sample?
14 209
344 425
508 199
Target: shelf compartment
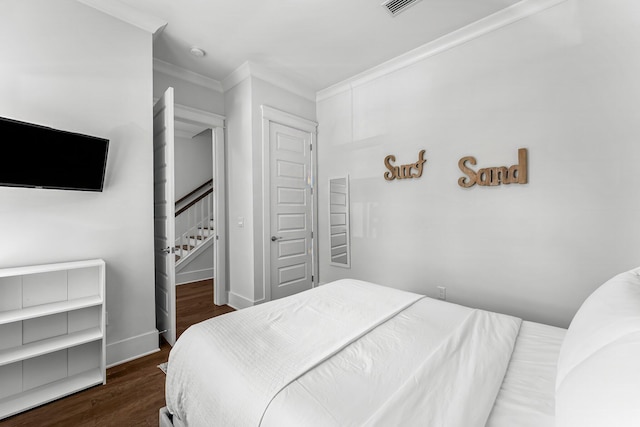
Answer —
47 268
46 393
49 345
52 323
48 309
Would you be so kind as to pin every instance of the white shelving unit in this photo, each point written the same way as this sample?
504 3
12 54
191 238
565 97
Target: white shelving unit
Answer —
52 332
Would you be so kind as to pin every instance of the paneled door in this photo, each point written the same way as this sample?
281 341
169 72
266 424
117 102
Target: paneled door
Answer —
291 236
164 215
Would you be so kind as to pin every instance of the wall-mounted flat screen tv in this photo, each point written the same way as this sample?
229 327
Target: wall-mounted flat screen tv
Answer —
37 156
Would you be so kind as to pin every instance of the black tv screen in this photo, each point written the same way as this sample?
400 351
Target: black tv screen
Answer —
42 157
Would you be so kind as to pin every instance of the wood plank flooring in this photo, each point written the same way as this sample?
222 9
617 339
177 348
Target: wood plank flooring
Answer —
134 392
195 304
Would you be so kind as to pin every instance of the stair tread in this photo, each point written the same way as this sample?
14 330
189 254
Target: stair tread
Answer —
185 247
197 241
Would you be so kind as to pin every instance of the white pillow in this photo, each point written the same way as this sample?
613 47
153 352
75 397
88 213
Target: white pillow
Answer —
598 376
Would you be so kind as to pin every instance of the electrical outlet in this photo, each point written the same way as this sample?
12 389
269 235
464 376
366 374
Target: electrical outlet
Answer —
442 293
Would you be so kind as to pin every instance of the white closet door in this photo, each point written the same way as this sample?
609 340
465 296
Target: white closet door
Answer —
291 210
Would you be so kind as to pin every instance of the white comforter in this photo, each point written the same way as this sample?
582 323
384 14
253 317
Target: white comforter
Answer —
346 353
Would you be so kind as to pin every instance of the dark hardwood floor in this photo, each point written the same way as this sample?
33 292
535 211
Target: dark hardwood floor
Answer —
195 304
135 390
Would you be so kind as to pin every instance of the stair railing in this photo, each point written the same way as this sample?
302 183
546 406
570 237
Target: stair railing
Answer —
185 202
194 221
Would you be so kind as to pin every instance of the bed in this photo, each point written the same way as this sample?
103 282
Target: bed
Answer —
354 353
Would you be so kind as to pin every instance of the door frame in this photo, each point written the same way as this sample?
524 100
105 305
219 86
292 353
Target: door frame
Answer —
273 115
199 119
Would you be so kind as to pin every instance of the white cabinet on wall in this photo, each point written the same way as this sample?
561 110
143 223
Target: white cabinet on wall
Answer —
52 332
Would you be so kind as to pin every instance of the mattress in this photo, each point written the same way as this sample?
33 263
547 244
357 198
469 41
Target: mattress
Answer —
351 353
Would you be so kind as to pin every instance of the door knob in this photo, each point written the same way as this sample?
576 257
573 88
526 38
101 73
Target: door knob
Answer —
274 238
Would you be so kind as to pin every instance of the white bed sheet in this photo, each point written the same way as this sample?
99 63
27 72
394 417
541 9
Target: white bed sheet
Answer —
226 370
435 364
431 363
527 394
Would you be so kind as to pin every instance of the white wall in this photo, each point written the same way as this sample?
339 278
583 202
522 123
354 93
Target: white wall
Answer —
244 168
563 84
70 67
200 267
193 163
239 194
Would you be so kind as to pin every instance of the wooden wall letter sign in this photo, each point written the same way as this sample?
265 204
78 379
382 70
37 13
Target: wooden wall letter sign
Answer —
403 171
516 174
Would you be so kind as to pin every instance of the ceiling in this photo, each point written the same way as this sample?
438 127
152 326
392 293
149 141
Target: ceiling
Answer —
315 43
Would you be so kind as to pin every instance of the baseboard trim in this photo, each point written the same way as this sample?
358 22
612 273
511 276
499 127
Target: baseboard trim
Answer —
239 302
132 348
194 276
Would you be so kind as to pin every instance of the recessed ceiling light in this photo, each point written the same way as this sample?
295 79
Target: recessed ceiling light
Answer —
196 51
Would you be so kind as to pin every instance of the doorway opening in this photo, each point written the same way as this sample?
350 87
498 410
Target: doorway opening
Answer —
193 232
195 225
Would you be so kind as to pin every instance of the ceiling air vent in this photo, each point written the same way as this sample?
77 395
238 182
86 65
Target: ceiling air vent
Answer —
394 7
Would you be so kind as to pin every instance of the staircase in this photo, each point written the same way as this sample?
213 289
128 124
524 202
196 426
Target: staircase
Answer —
194 222
188 243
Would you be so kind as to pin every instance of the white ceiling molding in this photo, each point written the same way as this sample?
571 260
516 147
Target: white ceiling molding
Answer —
282 82
236 77
128 14
186 130
504 17
186 75
250 69
194 115
287 119
190 122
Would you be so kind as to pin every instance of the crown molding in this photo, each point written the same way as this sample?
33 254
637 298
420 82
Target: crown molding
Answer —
195 115
190 114
151 24
500 19
250 69
236 77
186 75
282 82
288 119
